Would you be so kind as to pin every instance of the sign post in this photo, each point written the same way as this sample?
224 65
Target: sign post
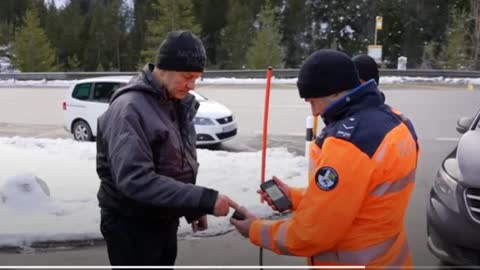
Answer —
378 26
375 51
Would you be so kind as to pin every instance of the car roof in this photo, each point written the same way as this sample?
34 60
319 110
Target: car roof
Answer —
120 79
123 79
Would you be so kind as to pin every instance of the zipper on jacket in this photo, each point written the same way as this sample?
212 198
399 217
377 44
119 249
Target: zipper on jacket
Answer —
178 121
184 118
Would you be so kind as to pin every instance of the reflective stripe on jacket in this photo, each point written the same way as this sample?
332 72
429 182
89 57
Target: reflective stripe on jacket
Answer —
362 171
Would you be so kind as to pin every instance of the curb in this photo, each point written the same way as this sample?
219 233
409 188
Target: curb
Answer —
44 245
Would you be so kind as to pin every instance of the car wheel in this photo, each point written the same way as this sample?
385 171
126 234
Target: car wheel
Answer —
214 146
82 132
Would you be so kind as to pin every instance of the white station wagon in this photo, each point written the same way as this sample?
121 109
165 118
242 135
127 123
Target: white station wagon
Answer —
87 99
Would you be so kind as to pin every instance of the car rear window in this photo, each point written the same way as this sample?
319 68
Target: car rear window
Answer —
103 91
82 91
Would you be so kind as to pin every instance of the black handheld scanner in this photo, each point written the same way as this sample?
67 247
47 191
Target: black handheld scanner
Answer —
238 215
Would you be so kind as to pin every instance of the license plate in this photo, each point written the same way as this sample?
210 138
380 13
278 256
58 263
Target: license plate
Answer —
229 128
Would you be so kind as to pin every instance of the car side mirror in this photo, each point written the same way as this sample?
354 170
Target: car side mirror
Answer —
463 124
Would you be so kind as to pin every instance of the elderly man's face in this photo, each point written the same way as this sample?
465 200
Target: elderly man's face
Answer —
178 83
318 104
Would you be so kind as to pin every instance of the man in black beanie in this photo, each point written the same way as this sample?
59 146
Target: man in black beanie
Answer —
367 69
361 176
147 160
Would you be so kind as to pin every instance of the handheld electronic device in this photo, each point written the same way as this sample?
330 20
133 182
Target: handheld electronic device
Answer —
279 199
238 215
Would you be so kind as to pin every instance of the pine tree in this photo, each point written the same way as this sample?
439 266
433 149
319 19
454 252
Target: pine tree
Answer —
393 33
94 42
136 37
236 35
212 17
454 53
474 34
103 38
171 15
4 33
4 42
430 55
293 28
74 26
32 51
73 64
100 67
12 12
114 26
265 49
336 25
127 58
54 30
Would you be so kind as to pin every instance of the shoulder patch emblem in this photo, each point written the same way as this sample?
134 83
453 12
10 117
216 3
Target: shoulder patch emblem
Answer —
326 178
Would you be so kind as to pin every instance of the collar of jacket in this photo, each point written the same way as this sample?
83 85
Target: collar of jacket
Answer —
160 90
364 96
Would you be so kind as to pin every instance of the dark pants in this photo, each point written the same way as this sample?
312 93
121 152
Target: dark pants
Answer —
133 241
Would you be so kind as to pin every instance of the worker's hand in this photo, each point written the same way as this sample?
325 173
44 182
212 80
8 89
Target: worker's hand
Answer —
284 187
243 226
201 224
222 206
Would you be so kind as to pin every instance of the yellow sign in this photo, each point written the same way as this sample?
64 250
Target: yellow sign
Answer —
379 23
470 87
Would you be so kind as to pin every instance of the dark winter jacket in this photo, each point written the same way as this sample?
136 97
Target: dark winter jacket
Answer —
146 154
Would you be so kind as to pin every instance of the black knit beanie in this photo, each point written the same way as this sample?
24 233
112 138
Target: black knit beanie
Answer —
326 72
367 67
181 51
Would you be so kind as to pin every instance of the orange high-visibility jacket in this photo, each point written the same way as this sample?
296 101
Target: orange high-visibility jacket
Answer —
362 170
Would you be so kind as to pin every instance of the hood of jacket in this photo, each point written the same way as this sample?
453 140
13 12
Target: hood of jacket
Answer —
365 95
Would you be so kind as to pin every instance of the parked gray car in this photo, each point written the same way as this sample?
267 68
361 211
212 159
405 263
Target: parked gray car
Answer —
453 214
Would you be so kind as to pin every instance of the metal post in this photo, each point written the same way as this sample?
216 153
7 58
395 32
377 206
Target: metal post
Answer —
309 135
265 125
378 26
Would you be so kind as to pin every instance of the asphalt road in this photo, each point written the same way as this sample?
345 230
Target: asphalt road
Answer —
433 110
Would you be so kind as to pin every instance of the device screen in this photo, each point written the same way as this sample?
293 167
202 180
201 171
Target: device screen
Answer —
274 192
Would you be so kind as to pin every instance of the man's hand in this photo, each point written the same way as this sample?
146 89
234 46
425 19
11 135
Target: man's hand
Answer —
243 226
201 224
222 206
284 187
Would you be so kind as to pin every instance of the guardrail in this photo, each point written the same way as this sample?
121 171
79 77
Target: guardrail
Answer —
278 73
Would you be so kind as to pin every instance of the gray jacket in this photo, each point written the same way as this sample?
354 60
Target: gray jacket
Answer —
146 154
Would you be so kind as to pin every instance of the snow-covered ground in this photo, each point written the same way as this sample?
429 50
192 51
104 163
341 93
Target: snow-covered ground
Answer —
236 81
70 211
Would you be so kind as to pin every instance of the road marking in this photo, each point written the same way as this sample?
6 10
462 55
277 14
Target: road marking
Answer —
447 139
258 132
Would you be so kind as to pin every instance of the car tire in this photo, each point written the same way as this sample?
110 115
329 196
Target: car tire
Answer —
81 131
214 146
